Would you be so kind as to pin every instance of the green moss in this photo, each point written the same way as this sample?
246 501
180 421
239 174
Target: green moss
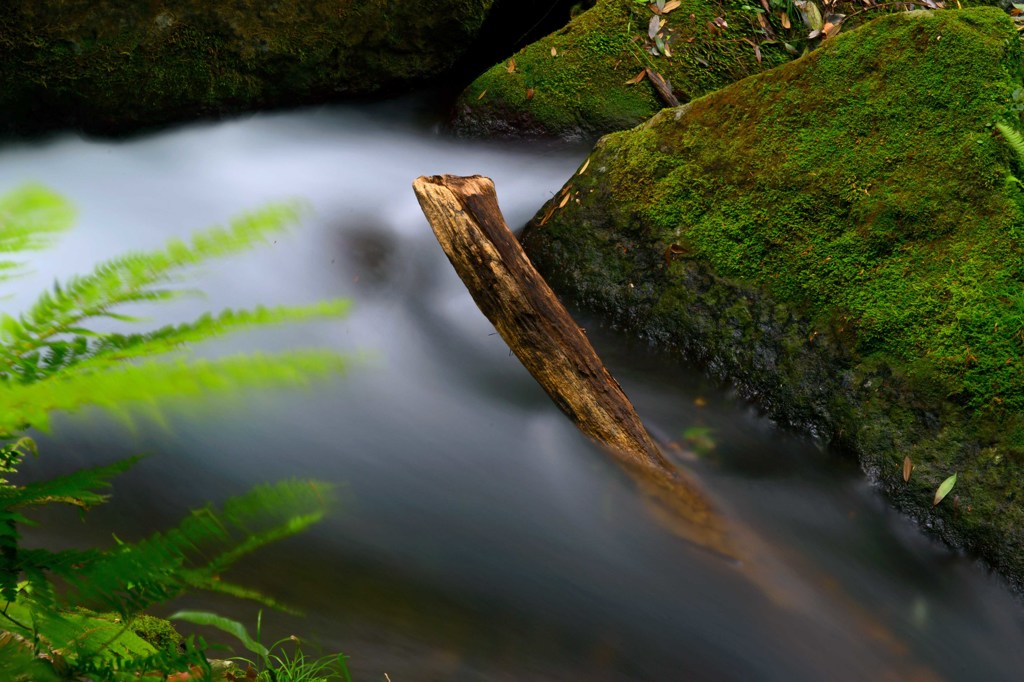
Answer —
156 631
118 65
842 237
582 89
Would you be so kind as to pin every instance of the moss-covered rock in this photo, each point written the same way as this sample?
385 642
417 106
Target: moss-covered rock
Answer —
574 83
117 65
160 633
841 237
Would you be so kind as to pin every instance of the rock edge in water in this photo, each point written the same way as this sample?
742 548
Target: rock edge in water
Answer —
841 237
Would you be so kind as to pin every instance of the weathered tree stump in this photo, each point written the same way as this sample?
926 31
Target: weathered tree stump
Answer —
464 215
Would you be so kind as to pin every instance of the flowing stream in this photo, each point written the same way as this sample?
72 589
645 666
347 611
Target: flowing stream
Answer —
479 536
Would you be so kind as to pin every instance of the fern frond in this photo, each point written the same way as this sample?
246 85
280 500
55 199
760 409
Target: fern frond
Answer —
100 352
31 217
132 577
1013 138
78 488
18 659
133 387
11 455
134 278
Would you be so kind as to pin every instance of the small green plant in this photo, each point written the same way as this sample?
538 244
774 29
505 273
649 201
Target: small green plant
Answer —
51 359
1013 138
282 661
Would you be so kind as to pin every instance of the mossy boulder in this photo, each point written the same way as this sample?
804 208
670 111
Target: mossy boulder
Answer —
118 65
575 82
842 238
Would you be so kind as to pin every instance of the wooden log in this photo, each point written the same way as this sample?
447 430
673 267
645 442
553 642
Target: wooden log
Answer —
464 215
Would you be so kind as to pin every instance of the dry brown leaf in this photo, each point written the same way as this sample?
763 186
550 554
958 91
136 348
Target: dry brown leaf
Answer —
671 5
637 78
481 95
511 66
831 29
784 18
529 93
554 52
672 251
908 466
547 214
564 201
584 169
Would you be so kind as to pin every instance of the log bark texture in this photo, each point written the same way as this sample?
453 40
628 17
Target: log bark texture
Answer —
464 215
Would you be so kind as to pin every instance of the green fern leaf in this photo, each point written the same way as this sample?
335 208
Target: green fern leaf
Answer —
132 577
133 388
1013 138
231 627
31 218
135 278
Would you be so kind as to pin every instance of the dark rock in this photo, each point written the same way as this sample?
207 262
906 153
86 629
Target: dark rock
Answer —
117 65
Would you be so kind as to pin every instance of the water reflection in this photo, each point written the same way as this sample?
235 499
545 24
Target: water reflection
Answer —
481 537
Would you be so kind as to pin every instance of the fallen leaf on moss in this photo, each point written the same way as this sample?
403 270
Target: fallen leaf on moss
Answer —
672 251
511 66
944 489
811 14
654 26
481 95
721 23
529 93
564 201
784 18
554 52
637 78
908 466
547 214
671 5
757 48
585 164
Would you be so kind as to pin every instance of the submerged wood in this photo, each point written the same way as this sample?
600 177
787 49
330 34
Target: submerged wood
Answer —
464 215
